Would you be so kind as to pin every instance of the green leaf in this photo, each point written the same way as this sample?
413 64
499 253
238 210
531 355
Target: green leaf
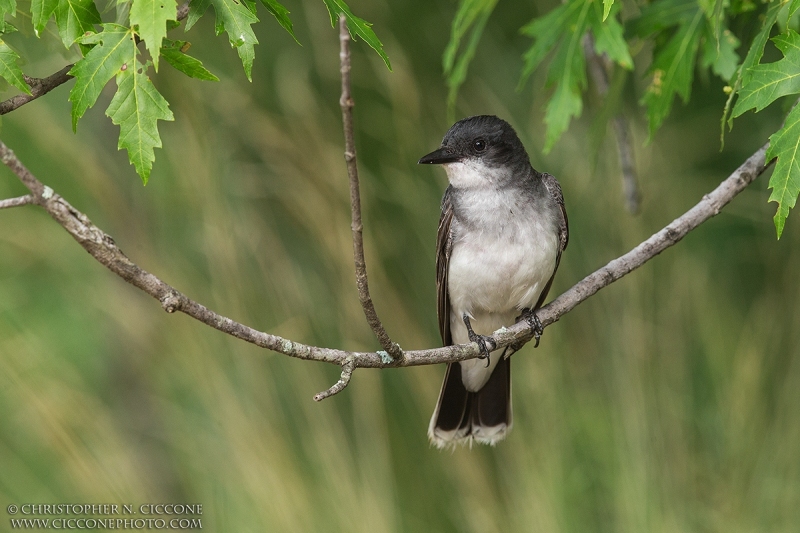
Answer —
471 14
607 4
281 14
609 39
546 31
236 20
768 82
564 28
661 15
173 52
673 71
754 54
9 69
151 17
122 11
8 6
721 54
756 50
74 18
793 7
715 15
197 9
6 27
114 47
357 27
727 108
41 11
251 5
136 108
785 180
563 105
568 72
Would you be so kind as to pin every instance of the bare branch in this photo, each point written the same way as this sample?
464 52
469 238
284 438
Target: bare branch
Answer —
709 206
346 103
41 86
630 185
16 202
598 69
103 248
347 372
183 11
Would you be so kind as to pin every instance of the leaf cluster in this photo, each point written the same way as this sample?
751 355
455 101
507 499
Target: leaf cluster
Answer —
129 48
673 40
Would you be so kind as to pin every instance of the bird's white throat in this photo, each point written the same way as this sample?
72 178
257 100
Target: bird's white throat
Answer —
473 173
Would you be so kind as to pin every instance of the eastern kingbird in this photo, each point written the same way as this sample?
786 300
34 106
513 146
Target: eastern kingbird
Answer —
502 230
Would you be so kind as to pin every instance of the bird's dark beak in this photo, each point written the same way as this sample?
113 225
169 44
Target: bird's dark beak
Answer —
439 157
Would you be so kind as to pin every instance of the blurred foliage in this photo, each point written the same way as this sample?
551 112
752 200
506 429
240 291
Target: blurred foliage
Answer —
114 52
666 402
681 36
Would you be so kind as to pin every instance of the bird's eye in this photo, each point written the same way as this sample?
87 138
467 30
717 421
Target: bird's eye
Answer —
479 145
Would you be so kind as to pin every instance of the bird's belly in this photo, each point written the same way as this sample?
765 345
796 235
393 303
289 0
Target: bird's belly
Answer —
490 275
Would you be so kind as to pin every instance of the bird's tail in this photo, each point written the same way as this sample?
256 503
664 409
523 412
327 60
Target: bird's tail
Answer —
462 416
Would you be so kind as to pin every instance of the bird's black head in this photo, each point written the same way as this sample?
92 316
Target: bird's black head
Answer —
483 139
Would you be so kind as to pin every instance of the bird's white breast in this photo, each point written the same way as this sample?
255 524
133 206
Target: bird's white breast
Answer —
500 263
503 259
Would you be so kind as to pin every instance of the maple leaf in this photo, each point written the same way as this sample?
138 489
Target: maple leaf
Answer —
114 47
74 18
9 69
175 55
136 108
357 27
150 17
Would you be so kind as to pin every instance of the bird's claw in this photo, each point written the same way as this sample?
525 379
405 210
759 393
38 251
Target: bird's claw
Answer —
481 340
535 324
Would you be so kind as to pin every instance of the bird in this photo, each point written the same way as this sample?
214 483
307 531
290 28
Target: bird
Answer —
502 231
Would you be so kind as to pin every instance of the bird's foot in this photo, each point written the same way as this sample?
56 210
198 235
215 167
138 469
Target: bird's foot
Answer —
481 340
534 323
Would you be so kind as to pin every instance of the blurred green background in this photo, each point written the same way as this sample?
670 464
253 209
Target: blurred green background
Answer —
667 402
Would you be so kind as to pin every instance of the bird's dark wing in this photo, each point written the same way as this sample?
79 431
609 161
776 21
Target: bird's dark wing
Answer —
444 246
554 188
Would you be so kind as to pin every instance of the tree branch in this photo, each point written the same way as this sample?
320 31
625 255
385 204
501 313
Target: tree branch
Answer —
347 372
16 202
41 86
709 206
103 248
346 103
598 69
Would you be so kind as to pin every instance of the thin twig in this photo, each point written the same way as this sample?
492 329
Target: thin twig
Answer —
103 248
598 69
709 206
347 372
16 202
346 103
41 86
